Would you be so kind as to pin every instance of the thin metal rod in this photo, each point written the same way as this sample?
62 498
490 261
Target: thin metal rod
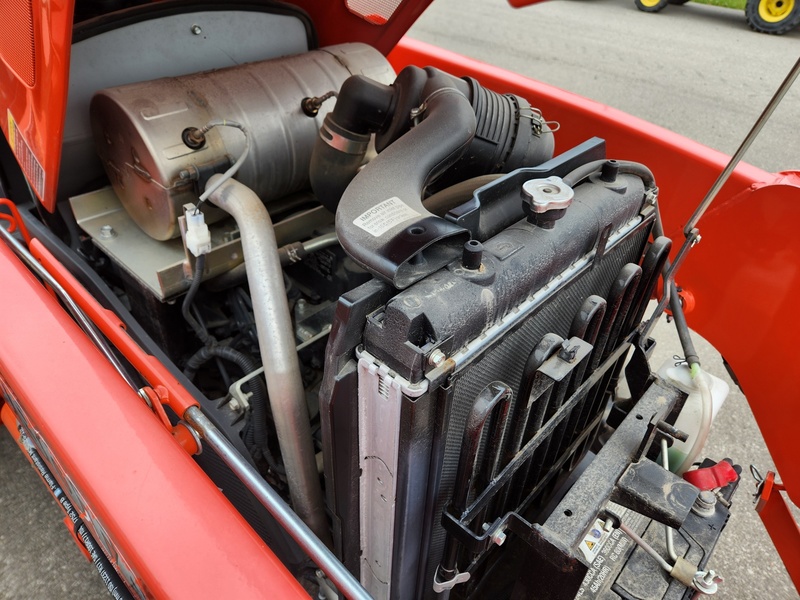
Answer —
689 230
670 540
77 313
295 527
646 547
748 140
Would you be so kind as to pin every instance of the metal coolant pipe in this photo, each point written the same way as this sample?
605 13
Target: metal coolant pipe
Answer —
278 354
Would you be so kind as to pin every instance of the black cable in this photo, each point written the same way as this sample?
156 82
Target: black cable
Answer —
625 167
256 432
186 307
675 304
684 335
258 399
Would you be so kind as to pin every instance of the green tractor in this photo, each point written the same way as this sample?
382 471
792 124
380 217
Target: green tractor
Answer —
765 16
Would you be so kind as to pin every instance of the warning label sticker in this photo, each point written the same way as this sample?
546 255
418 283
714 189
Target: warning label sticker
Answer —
382 217
27 159
606 552
593 541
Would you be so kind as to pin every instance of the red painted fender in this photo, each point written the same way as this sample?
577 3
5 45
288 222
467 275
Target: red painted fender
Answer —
168 524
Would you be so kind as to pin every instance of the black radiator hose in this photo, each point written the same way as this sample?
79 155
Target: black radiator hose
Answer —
431 129
380 221
363 107
258 399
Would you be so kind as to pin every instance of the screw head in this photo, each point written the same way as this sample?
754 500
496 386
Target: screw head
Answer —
498 537
436 358
707 582
107 232
196 29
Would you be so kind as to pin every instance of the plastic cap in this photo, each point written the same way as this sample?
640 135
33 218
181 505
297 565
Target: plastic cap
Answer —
198 238
710 478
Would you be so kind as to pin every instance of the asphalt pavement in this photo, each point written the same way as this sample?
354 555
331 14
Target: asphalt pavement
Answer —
694 69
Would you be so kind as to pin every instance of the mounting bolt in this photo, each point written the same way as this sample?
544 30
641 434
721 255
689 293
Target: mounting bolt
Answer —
196 29
498 537
707 582
107 232
436 358
568 352
704 505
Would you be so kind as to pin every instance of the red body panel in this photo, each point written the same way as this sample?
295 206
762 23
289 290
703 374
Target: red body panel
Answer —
165 517
521 3
37 104
170 390
346 26
778 519
172 526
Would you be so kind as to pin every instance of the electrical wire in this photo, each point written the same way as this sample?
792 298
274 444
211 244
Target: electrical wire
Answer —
235 167
186 307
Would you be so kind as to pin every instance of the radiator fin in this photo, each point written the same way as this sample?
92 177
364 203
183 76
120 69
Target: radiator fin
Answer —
506 360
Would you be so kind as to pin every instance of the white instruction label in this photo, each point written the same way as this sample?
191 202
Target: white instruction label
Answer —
606 553
382 217
593 541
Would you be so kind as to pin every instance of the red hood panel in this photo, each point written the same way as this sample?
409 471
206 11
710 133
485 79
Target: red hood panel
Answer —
34 64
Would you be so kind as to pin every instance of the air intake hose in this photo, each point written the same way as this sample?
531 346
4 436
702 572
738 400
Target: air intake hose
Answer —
431 129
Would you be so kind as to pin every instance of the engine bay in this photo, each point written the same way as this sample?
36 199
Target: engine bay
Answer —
425 328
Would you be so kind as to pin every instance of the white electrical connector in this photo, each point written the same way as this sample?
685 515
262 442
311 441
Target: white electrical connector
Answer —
198 238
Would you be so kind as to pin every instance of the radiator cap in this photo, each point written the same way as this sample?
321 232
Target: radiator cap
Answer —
546 200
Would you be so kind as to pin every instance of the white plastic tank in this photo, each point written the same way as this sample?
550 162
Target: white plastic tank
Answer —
690 418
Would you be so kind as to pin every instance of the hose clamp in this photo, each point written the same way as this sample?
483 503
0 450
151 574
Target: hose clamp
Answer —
417 113
340 142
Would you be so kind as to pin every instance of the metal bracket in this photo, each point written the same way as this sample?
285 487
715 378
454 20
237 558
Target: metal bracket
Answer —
651 490
442 586
380 396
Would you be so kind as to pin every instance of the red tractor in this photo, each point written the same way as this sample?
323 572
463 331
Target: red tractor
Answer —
292 304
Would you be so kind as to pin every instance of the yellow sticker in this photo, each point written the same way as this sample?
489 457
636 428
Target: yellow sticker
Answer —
12 130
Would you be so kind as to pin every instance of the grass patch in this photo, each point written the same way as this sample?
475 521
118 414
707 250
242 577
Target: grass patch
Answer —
737 4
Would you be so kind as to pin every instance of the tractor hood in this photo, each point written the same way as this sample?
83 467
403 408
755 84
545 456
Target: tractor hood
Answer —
33 87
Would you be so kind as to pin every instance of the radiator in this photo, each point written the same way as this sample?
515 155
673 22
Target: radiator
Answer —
479 389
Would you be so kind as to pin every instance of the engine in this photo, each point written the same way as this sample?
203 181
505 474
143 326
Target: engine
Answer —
421 326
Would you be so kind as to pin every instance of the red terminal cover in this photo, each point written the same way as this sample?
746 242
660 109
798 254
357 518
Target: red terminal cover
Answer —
709 478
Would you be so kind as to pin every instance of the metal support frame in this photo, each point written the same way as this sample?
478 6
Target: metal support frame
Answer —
300 532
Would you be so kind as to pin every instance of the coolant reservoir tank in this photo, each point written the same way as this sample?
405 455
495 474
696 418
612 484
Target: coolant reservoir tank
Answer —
137 129
689 421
